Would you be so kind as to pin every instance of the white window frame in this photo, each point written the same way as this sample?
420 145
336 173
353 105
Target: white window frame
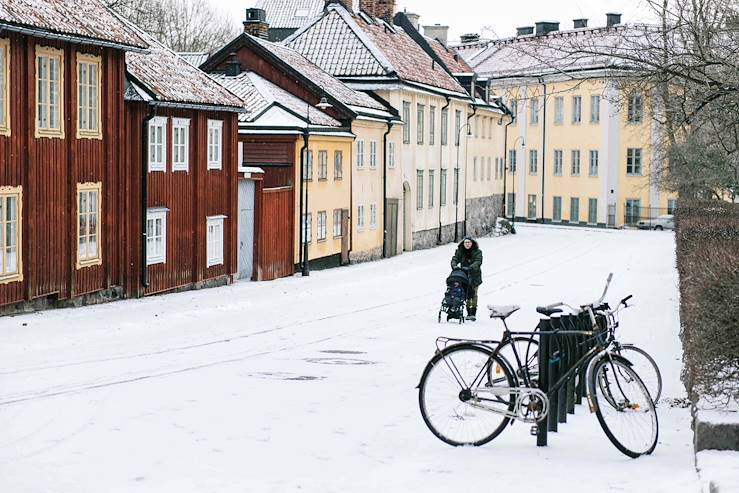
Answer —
308 228
559 110
88 97
431 185
419 190
592 211
4 86
573 201
215 144
442 187
557 209
558 162
575 171
391 155
420 123
155 147
308 166
156 214
6 276
373 155
432 125
474 168
373 216
86 258
534 111
214 244
531 207
338 165
322 165
360 218
445 126
44 105
593 163
407 122
338 219
636 158
635 109
576 110
184 125
595 109
533 161
360 154
321 225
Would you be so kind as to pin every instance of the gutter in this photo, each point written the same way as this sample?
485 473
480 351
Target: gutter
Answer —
69 38
145 192
441 158
384 188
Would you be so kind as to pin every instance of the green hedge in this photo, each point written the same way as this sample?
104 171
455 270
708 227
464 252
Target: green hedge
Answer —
707 238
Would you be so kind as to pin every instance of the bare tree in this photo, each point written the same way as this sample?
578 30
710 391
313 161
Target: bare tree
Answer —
182 25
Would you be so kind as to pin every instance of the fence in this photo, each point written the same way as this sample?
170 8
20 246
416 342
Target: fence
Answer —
634 213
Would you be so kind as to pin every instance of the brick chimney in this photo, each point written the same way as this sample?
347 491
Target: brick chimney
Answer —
438 32
256 23
384 9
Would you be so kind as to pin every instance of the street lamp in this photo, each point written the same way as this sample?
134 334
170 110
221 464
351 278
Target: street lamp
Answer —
505 181
322 105
456 172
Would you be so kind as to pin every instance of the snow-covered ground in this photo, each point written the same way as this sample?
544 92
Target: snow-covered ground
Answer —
308 384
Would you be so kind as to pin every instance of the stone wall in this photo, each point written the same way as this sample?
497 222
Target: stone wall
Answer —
482 213
366 255
430 237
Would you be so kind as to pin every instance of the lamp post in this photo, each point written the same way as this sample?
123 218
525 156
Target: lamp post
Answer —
322 105
505 180
456 185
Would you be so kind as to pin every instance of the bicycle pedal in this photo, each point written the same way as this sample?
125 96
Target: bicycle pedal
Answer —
534 430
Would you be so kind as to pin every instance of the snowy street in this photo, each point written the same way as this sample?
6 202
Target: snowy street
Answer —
309 384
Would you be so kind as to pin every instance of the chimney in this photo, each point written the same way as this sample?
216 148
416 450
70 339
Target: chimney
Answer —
613 19
233 66
580 23
525 31
546 27
438 32
384 9
414 19
469 38
256 23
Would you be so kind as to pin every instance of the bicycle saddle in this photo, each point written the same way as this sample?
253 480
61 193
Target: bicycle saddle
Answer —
548 312
502 312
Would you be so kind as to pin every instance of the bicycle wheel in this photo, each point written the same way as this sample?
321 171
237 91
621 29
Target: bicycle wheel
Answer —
645 367
457 402
527 349
625 409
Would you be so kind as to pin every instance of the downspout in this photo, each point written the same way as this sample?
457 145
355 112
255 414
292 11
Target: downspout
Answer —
505 163
384 188
441 159
466 156
301 217
145 192
544 147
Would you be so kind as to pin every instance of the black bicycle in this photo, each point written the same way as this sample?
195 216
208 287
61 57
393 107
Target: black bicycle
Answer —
470 391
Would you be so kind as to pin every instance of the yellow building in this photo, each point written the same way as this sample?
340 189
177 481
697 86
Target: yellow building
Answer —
580 150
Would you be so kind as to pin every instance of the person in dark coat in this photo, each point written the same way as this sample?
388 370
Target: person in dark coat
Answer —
468 257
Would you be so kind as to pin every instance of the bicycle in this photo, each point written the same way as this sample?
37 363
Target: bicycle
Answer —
469 392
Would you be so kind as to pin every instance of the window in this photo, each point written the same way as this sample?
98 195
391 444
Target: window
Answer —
497 171
307 228
535 111
442 184
592 211
457 126
338 165
391 155
557 209
360 154
323 165
532 207
594 109
373 155
514 108
431 189
576 109
373 216
633 161
533 161
475 125
484 127
88 96
308 166
10 234
419 190
49 92
4 88
338 221
512 161
575 171
88 224
671 206
445 126
156 236
474 169
490 168
593 166
635 109
558 162
432 125
633 211
180 144
511 204
215 139
407 122
321 218
360 218
559 110
456 186
158 144
214 247
574 210
420 128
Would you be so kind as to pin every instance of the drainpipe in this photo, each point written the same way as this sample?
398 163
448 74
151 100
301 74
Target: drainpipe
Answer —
544 147
466 155
441 158
145 191
303 245
505 163
384 188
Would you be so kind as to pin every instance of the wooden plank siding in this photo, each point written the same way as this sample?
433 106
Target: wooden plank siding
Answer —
49 169
190 198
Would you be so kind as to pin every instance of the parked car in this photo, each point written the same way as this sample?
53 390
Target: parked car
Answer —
659 223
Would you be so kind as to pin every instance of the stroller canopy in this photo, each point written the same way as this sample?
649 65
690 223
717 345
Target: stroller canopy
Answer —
459 276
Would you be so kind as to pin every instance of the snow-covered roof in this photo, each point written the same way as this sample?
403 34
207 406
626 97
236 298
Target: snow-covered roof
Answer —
348 44
195 58
167 77
290 14
451 59
258 95
81 20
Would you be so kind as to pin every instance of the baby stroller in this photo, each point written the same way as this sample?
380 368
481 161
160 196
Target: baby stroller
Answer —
455 297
